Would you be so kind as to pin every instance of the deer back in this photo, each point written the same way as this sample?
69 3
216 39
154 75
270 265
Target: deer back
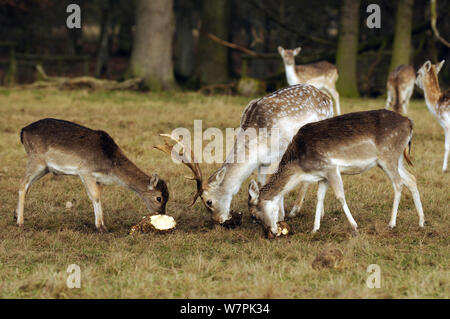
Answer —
296 102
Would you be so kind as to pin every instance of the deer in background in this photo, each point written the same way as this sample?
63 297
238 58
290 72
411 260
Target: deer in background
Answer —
346 144
287 110
66 148
323 75
400 87
438 103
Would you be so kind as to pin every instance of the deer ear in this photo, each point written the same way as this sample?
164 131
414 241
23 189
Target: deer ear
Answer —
297 50
253 191
154 179
427 66
439 66
280 50
219 176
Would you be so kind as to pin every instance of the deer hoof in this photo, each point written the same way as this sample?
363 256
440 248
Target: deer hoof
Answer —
102 229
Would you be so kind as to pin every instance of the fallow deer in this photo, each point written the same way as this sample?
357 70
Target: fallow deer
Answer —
323 75
438 103
400 87
346 144
66 148
286 110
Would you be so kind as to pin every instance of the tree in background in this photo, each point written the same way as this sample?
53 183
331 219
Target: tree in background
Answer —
401 49
101 66
151 58
347 51
212 65
187 16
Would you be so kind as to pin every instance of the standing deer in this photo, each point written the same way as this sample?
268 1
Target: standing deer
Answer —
400 87
286 110
323 75
438 103
322 151
66 148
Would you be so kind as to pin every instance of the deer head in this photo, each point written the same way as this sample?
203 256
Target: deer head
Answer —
289 55
427 74
156 195
211 193
262 211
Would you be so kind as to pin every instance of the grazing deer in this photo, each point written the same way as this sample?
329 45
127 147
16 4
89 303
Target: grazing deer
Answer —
437 102
322 151
323 75
286 110
66 148
400 87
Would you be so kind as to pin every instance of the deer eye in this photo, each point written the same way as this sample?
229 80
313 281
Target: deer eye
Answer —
209 202
158 199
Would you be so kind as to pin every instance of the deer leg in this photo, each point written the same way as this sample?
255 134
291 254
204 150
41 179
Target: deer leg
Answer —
389 99
322 190
335 95
94 191
34 171
261 178
392 172
335 181
447 149
409 92
281 211
410 181
299 202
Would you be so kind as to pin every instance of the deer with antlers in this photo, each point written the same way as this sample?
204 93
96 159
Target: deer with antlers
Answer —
400 87
323 75
322 151
66 148
438 102
285 110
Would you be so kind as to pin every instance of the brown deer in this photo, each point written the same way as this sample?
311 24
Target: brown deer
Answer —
438 102
323 75
286 110
346 144
66 148
400 87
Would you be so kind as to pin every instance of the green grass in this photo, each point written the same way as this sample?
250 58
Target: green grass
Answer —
199 260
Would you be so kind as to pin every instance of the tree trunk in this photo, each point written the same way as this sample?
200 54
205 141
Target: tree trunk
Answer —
347 51
212 58
151 58
401 49
101 66
184 39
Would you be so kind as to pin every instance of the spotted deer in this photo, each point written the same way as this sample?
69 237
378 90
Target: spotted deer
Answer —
438 102
66 148
322 151
323 75
400 87
285 110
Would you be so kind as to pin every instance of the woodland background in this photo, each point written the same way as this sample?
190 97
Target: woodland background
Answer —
167 42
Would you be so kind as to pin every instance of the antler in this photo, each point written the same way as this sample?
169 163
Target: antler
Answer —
187 157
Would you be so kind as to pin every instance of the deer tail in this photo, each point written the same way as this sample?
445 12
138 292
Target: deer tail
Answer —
407 153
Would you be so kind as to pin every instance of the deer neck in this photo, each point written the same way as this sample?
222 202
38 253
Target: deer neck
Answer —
291 74
235 175
130 176
280 183
432 92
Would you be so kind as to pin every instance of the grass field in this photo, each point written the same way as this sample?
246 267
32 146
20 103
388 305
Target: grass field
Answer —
199 260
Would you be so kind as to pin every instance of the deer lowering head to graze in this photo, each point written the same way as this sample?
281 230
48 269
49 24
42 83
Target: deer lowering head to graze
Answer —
323 75
285 111
400 87
346 144
66 148
438 102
